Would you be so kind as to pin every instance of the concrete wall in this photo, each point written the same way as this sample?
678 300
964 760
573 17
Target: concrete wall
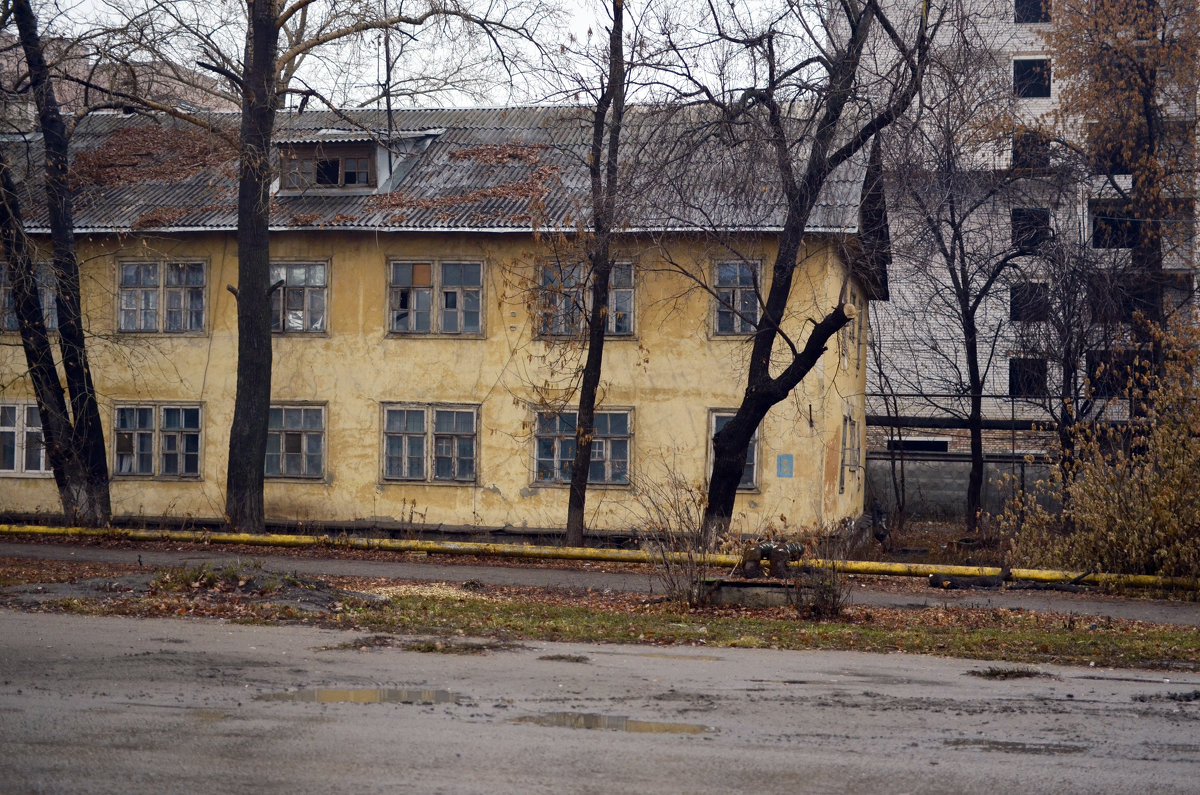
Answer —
936 488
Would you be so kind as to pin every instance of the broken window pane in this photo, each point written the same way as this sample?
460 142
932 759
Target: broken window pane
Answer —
299 305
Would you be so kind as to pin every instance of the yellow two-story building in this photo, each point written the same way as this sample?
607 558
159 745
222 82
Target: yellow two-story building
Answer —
427 313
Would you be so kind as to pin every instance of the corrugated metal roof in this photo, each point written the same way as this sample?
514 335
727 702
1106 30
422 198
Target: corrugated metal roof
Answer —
490 169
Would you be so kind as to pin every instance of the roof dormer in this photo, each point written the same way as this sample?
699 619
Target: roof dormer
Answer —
337 162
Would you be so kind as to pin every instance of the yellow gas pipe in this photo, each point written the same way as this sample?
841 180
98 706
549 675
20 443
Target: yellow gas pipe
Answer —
586 553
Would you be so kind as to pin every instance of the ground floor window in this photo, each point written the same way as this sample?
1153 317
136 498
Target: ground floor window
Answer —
155 440
21 448
749 478
296 442
555 445
425 443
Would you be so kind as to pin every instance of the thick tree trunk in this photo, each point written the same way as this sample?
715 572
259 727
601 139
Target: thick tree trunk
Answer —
87 479
800 191
248 434
730 447
975 477
604 173
39 355
974 413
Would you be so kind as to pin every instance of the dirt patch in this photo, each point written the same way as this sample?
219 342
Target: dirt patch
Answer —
20 571
243 591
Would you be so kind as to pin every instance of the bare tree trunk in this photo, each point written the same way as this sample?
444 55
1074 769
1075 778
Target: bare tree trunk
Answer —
731 443
248 434
585 420
603 168
800 183
39 356
974 422
87 479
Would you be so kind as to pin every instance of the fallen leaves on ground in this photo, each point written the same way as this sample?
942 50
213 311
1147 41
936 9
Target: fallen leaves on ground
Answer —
399 607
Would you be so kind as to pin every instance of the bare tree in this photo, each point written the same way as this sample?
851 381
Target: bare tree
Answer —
809 85
1066 312
71 429
604 170
962 222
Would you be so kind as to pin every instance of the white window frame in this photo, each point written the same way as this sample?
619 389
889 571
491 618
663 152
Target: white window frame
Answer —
303 296
554 448
158 434
304 433
715 417
566 300
44 277
736 298
452 308
152 292
18 422
433 449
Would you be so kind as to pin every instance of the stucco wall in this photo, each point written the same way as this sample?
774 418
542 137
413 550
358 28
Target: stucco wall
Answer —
670 374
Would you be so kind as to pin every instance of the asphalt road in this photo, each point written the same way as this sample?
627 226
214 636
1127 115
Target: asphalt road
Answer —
1173 612
118 705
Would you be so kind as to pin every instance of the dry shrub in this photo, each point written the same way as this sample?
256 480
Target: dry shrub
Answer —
819 591
1129 494
670 526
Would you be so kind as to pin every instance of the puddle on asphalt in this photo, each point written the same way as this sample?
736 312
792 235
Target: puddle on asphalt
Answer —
590 720
387 695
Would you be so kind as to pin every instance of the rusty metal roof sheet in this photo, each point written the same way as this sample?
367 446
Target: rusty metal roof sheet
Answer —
485 169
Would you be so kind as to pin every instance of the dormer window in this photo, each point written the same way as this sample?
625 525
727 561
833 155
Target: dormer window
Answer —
326 167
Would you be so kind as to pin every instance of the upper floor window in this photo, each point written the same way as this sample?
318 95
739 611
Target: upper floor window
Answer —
566 300
326 167
436 297
430 443
749 479
157 440
1114 224
1031 11
295 442
1112 374
8 308
554 438
1027 377
21 448
1030 149
1030 228
1029 302
1031 77
161 296
1110 148
298 304
1119 297
737 297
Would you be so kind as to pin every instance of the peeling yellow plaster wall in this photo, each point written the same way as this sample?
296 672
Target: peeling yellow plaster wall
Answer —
669 375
